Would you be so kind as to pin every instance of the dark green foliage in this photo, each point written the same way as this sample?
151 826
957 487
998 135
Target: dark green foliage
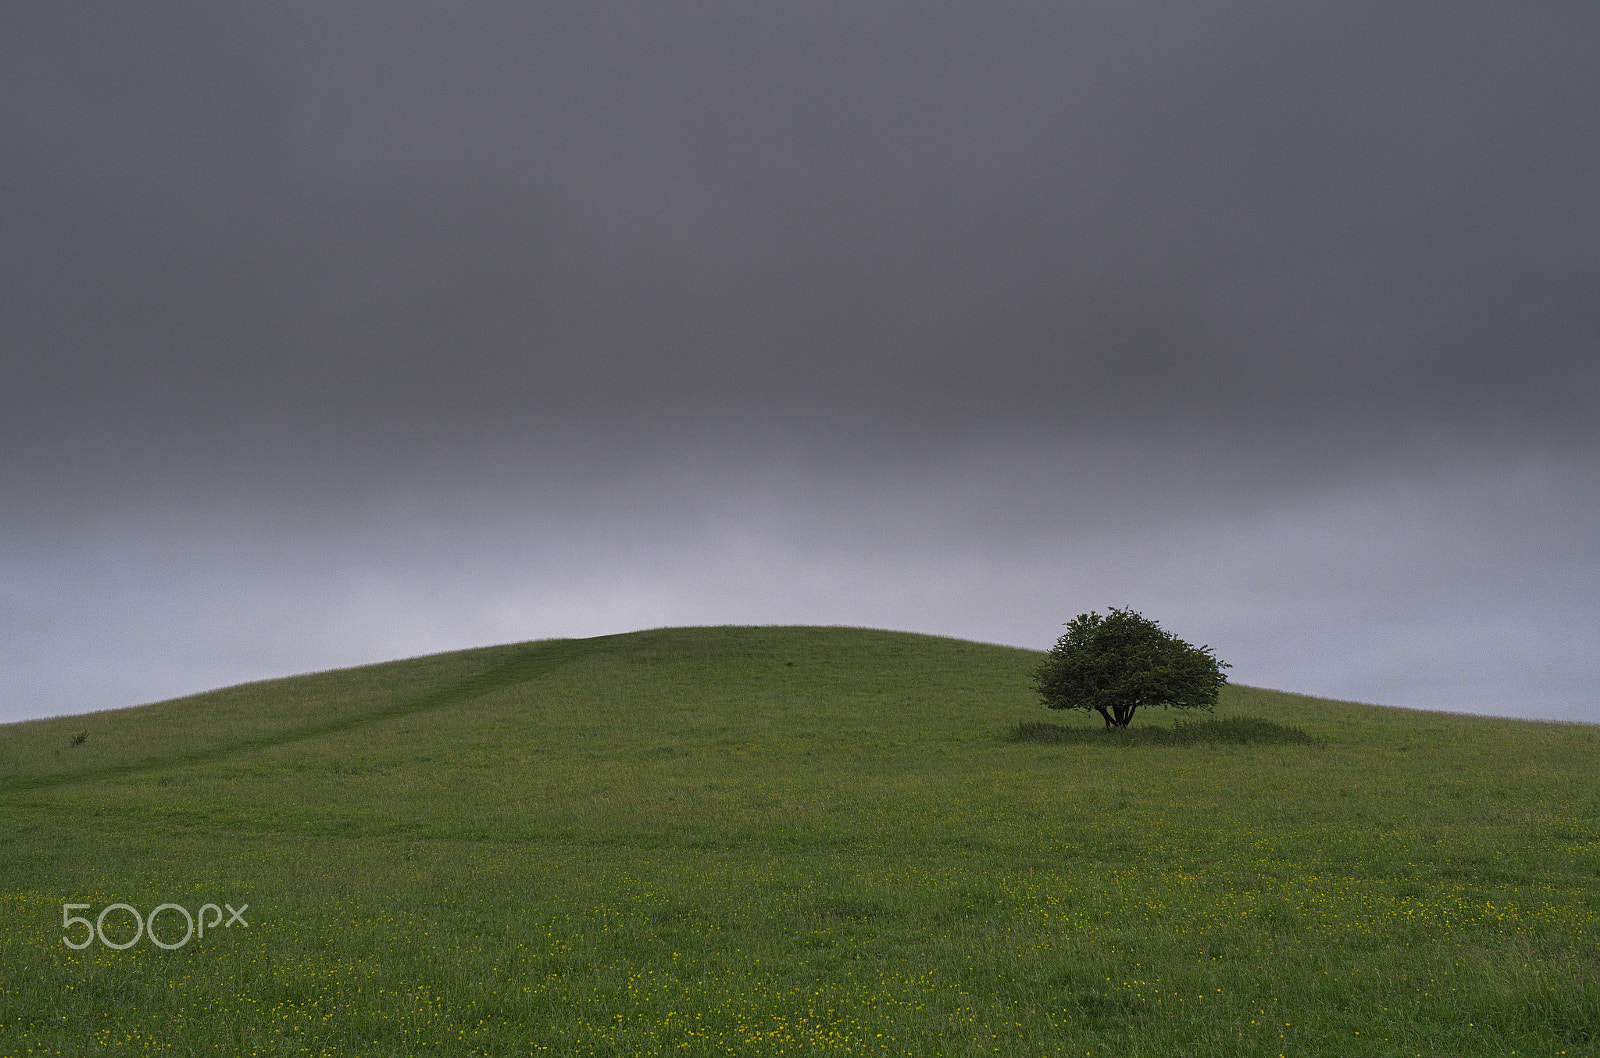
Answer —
1115 664
1230 731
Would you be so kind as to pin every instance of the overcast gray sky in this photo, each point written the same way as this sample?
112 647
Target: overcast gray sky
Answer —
341 332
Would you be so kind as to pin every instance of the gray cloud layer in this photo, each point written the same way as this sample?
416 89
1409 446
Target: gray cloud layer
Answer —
334 330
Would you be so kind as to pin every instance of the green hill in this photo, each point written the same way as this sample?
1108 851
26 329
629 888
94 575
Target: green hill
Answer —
756 841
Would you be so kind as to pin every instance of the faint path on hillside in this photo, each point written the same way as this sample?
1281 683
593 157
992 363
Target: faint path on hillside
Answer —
531 662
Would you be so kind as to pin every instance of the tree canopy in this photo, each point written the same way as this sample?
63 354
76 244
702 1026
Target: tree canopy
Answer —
1116 664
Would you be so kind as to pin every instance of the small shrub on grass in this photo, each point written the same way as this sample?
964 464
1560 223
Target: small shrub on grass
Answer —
1230 731
1123 662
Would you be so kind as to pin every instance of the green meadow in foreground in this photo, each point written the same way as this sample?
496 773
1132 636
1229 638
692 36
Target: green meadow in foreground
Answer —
754 841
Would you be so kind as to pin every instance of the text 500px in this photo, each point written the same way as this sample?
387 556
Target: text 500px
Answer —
194 925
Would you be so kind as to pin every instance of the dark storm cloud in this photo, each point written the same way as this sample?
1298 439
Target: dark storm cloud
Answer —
530 219
312 274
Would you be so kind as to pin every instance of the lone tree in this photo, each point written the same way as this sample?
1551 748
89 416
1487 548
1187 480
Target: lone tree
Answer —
1117 663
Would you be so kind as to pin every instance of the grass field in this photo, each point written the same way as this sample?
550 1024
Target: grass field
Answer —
753 841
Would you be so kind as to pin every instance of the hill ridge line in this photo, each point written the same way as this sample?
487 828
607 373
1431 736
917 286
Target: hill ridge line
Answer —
542 657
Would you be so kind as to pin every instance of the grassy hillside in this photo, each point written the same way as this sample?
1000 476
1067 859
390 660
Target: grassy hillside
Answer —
759 841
